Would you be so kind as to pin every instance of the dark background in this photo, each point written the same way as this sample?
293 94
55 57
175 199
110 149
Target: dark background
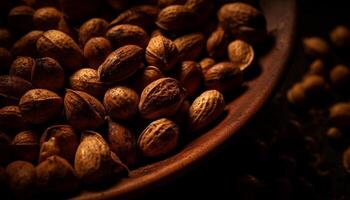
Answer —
280 154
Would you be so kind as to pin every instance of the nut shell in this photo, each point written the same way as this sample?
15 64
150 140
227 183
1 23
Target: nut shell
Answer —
83 111
121 103
25 146
146 76
47 74
159 138
38 106
190 76
26 45
241 54
11 118
96 51
190 46
161 98
121 64
95 27
205 109
176 18
217 43
12 88
22 67
20 19
339 114
126 34
46 18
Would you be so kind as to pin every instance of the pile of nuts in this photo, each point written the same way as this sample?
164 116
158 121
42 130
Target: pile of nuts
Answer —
84 99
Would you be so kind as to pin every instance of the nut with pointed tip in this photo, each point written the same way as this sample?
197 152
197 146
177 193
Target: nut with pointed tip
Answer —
96 51
176 18
12 88
127 34
190 46
22 67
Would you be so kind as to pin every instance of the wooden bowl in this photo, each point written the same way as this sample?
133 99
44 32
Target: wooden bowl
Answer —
281 21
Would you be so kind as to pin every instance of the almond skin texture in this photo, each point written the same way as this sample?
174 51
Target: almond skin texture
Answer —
127 34
39 106
83 111
121 103
190 76
162 53
59 140
143 16
238 18
93 160
206 64
25 146
176 18
161 98
96 51
122 142
26 45
217 43
12 88
95 27
11 118
241 53
159 138
224 77
190 46
47 74
61 47
56 175
205 109
87 80
121 64
146 76
22 67
21 178
46 18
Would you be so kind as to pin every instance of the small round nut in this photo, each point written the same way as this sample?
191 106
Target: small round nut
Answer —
22 179
38 106
340 37
161 98
225 77
340 76
317 68
83 111
56 175
146 76
206 63
162 53
205 109
316 47
339 114
96 51
22 67
241 54
95 27
190 76
47 74
11 118
159 138
334 133
121 103
87 80
46 18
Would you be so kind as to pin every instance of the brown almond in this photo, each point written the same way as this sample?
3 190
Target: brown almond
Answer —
190 46
241 54
22 67
316 47
96 51
95 27
176 18
46 18
26 45
126 34
205 109
161 98
159 138
121 64
47 74
206 63
38 106
217 43
61 47
118 4
190 76
162 53
12 88
146 76
25 146
339 114
12 119
83 111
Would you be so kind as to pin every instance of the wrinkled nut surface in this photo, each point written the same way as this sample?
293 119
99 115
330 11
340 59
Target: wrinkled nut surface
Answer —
159 138
225 77
190 46
25 146
205 109
21 178
26 138
121 103
176 18
26 45
11 118
83 111
162 53
12 88
93 160
46 18
146 76
22 67
48 74
121 63
161 98
206 64
190 76
61 47
96 51
339 114
241 54
87 80
56 175
122 142
316 47
95 27
59 140
40 105
127 34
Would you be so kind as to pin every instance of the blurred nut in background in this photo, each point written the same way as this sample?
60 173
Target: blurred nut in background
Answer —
316 47
340 76
340 37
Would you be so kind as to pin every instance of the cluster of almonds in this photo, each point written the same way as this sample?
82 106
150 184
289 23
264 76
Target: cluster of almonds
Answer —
322 81
151 67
